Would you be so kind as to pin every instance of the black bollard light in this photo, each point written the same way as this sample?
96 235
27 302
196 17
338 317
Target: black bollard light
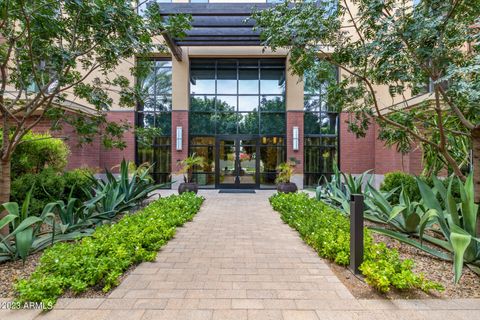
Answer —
356 232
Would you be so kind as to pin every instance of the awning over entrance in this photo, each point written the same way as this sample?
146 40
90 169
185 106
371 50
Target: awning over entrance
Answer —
215 24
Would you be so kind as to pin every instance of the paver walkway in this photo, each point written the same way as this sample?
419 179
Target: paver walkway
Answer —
237 260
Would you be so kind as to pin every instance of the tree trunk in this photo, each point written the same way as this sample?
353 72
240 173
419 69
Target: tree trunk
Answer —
476 169
4 188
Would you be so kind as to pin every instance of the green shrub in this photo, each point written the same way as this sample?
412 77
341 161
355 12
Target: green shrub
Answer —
78 180
328 232
49 187
112 249
395 180
39 151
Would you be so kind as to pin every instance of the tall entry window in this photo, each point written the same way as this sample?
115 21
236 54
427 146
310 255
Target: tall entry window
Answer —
237 120
154 113
321 122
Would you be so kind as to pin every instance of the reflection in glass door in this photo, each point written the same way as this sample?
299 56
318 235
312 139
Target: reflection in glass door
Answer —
237 164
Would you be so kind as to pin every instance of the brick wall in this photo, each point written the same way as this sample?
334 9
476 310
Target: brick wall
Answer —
295 119
93 155
112 157
87 155
179 119
356 154
360 154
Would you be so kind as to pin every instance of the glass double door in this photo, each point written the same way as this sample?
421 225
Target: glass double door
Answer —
237 162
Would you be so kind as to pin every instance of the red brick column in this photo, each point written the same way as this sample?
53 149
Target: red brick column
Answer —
179 119
112 157
295 119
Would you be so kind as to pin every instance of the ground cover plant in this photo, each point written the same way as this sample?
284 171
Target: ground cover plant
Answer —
328 231
112 249
444 214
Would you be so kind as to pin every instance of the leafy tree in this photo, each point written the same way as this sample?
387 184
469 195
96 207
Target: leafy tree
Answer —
49 48
395 46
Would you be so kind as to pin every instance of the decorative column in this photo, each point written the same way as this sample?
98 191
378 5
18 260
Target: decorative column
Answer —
180 105
294 107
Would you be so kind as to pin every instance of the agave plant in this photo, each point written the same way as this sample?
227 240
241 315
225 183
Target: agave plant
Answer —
338 190
456 222
404 217
118 194
24 236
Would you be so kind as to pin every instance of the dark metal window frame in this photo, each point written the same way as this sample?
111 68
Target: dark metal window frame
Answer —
214 95
322 113
155 112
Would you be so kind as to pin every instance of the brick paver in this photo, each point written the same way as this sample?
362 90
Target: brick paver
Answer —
237 260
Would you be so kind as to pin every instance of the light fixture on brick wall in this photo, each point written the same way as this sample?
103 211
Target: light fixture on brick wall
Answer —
295 138
179 139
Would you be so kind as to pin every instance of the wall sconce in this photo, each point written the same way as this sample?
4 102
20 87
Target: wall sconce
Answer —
179 139
295 138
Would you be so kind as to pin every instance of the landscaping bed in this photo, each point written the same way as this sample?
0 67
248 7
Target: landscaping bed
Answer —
98 263
435 269
391 269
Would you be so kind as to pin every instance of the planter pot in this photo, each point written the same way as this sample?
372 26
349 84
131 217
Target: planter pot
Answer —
287 187
188 187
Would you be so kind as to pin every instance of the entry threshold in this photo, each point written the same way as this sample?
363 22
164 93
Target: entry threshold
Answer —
236 191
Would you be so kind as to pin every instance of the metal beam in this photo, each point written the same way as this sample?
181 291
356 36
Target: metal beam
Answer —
172 45
212 9
219 43
220 32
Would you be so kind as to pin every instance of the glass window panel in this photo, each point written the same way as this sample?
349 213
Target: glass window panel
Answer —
248 63
145 155
163 63
226 103
162 178
312 103
146 79
163 121
202 103
161 159
163 103
272 81
312 123
226 123
229 64
202 81
312 159
148 104
272 103
329 123
248 123
163 81
202 123
161 141
204 180
275 141
227 81
248 103
208 155
272 123
248 81
270 158
312 179
267 180
146 120
272 63
202 141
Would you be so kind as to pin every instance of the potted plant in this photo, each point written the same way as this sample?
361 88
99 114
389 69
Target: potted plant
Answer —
187 169
283 179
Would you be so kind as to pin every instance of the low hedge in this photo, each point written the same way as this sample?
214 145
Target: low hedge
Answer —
328 232
99 260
